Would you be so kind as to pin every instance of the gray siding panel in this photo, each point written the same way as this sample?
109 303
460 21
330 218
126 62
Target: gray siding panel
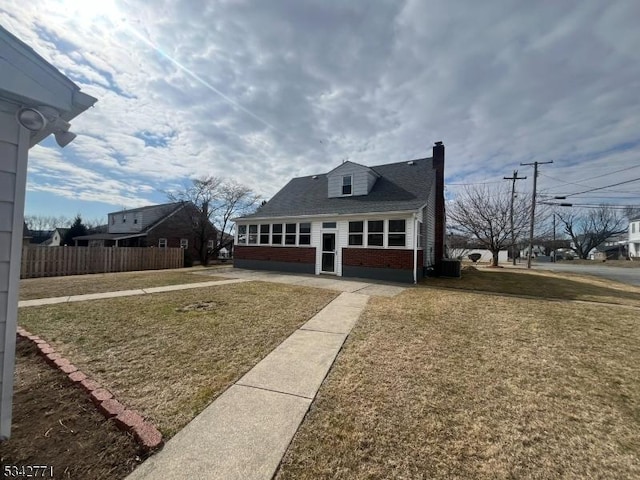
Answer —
359 181
7 186
8 155
6 216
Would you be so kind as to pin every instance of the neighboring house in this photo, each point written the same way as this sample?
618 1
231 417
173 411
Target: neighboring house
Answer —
39 237
613 248
383 222
485 255
56 238
227 249
166 225
634 238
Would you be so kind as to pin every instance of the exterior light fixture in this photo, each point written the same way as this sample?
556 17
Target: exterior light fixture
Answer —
64 138
31 119
37 119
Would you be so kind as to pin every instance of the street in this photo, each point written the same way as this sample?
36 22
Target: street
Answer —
630 276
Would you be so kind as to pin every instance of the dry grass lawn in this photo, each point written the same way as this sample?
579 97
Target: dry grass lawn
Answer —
450 384
31 288
543 284
169 355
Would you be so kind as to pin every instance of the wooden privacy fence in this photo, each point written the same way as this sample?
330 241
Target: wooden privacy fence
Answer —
59 261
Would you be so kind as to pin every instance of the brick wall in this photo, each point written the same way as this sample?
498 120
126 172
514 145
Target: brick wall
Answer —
379 258
177 226
276 254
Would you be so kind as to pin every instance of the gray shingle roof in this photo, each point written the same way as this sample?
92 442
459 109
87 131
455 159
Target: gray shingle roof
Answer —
400 187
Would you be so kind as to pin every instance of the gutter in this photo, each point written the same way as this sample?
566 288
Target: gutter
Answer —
328 215
415 248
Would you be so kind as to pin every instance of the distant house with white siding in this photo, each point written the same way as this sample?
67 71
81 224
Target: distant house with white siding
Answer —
634 238
383 222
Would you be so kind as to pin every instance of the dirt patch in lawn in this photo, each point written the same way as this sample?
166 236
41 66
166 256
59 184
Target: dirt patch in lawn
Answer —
31 288
168 355
55 424
553 285
447 384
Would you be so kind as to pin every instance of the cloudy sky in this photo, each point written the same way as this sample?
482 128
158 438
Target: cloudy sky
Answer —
261 91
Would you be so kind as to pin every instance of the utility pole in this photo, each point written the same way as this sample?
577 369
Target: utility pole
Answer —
533 206
513 195
554 237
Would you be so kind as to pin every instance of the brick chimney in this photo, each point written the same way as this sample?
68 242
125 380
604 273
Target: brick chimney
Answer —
438 165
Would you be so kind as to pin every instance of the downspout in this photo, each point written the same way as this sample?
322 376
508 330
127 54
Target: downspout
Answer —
415 248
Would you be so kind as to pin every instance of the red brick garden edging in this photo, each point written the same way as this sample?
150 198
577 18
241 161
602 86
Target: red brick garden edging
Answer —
147 436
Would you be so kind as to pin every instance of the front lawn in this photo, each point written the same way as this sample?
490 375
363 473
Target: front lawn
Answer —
169 355
31 288
439 383
541 284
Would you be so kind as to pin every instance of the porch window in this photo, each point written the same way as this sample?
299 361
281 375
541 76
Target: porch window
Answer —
397 236
162 243
346 184
276 234
184 243
253 234
375 233
290 234
356 233
242 234
264 234
305 234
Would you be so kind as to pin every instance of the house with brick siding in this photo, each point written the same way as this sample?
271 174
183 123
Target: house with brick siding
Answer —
383 222
170 225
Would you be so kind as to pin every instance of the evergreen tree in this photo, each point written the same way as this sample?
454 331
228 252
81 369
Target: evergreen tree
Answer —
77 229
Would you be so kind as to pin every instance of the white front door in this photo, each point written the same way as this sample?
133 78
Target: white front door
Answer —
328 258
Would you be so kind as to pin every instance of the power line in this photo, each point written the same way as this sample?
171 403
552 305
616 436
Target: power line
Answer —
588 178
477 183
602 188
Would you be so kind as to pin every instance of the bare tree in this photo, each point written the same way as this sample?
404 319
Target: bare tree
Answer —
589 229
217 202
46 222
484 215
233 200
632 212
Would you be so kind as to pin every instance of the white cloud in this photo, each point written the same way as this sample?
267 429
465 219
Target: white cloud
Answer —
262 91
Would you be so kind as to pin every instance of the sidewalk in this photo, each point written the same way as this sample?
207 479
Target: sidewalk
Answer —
245 432
237 276
123 293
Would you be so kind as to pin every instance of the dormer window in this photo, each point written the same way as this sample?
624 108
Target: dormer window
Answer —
346 184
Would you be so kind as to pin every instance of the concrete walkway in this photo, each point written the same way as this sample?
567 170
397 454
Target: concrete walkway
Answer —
330 282
238 276
245 432
124 293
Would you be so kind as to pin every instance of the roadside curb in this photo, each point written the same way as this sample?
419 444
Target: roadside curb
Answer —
146 434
